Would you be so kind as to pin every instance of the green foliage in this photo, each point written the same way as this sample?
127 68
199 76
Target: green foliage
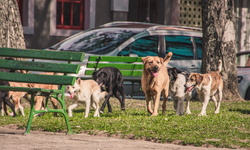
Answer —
230 128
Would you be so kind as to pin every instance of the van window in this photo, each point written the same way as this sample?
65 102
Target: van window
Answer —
146 46
180 46
198 42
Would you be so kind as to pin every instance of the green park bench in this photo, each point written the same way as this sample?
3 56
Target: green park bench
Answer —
130 67
65 66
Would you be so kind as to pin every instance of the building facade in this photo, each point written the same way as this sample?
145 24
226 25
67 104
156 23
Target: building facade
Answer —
46 22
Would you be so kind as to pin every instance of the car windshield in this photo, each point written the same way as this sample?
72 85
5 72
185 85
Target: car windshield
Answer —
98 41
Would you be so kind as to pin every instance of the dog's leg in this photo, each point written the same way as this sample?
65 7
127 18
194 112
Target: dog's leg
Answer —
95 104
215 102
107 102
180 106
7 101
87 108
122 101
219 100
39 100
54 103
3 105
204 105
175 103
188 97
148 102
71 107
5 109
156 104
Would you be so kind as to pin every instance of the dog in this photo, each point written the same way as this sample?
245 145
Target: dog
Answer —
177 92
4 95
155 80
39 104
86 91
111 78
207 85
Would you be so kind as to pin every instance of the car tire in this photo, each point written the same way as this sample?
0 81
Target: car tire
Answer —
247 95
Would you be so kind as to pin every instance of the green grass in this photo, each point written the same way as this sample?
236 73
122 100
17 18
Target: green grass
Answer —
230 128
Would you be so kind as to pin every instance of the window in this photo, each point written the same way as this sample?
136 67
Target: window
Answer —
70 14
98 41
180 46
146 46
198 42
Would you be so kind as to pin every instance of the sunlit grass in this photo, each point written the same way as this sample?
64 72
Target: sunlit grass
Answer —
230 128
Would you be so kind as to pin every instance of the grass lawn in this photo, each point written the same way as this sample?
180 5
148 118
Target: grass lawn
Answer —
230 128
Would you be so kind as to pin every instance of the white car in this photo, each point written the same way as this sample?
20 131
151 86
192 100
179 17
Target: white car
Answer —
138 39
243 72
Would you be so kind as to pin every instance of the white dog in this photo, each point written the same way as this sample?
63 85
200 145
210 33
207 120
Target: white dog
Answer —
86 91
178 79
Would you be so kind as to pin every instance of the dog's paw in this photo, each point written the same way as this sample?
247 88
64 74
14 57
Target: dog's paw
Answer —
101 111
202 114
188 112
216 112
123 109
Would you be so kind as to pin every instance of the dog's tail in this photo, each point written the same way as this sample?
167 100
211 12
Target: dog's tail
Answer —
167 58
219 66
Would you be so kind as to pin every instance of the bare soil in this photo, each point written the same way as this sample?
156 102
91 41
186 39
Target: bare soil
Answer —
12 138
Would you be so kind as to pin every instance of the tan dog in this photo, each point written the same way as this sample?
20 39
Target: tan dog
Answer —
207 85
86 91
155 80
16 96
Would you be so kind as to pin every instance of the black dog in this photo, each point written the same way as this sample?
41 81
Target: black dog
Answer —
4 95
112 79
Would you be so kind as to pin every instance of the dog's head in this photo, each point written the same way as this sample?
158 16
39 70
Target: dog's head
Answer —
73 89
152 64
101 77
194 79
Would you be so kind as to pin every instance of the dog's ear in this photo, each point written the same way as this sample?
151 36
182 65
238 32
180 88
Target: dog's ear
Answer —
199 78
78 81
144 59
161 59
175 73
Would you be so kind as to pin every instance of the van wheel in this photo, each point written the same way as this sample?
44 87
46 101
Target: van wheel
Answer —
247 95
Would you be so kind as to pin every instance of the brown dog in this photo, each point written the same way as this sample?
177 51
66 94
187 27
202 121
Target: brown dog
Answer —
155 80
207 85
16 96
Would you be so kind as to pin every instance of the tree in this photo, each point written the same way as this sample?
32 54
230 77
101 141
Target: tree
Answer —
219 42
11 31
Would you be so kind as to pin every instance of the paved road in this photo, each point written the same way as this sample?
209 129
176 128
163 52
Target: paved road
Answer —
11 139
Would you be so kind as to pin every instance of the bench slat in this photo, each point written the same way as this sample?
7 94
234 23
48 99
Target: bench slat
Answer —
37 78
117 65
115 58
26 89
42 54
124 72
39 66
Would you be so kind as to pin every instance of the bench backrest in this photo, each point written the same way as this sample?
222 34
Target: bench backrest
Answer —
129 66
40 66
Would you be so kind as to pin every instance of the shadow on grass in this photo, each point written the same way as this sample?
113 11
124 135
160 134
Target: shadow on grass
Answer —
241 110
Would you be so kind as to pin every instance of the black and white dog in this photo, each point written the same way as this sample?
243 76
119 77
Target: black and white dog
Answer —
111 78
4 95
178 79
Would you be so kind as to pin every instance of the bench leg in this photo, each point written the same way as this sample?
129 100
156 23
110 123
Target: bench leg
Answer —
62 101
31 114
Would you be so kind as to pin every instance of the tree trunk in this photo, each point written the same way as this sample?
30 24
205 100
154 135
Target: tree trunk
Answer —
11 31
219 43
